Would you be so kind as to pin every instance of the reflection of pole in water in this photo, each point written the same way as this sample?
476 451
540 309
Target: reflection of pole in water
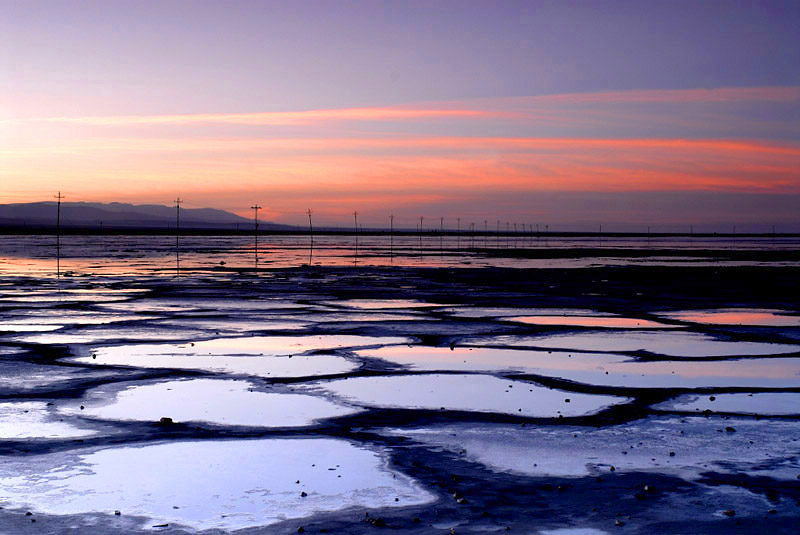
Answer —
311 236
391 236
255 209
441 234
473 235
58 234
178 203
355 254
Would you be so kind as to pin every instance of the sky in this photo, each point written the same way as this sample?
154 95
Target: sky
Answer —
566 113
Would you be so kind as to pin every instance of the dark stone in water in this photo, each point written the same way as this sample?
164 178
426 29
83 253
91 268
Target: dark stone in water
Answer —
729 512
303 494
166 421
730 429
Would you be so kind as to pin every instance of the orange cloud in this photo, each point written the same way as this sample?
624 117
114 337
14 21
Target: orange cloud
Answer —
292 118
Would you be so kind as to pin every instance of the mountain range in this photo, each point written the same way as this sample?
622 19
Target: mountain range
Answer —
121 215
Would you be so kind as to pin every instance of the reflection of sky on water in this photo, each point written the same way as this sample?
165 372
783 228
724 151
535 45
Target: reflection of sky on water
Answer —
492 359
35 255
767 403
222 402
737 316
615 322
674 344
172 482
264 356
479 393
752 373
377 304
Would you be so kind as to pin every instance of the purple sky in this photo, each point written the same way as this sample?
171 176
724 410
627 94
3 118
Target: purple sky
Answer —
79 59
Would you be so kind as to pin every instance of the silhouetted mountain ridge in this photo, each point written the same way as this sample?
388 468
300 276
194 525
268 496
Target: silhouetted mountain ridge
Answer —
117 215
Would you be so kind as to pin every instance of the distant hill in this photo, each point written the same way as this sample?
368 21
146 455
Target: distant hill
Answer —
120 215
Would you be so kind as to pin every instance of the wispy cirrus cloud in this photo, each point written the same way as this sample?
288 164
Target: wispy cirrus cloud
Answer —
271 118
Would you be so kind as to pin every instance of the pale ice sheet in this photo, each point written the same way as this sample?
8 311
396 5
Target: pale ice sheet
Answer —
105 334
71 317
223 402
28 327
25 377
737 316
766 403
675 344
254 481
192 304
478 393
699 445
34 419
493 359
244 325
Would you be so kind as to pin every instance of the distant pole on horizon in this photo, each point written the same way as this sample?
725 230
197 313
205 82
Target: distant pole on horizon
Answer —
458 233
178 203
255 209
498 233
485 233
421 218
58 198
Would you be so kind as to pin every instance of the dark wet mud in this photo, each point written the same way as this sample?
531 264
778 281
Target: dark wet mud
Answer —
402 399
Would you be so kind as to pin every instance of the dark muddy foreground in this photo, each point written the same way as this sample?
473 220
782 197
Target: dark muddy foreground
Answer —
474 490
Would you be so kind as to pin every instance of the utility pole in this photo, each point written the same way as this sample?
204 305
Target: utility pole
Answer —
458 233
58 198
178 203
255 209
485 233
421 218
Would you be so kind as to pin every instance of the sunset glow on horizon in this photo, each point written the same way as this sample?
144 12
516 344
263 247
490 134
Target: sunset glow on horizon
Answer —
538 151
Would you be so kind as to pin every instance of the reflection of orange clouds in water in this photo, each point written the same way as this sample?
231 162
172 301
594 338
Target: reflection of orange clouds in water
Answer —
591 321
738 317
769 368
